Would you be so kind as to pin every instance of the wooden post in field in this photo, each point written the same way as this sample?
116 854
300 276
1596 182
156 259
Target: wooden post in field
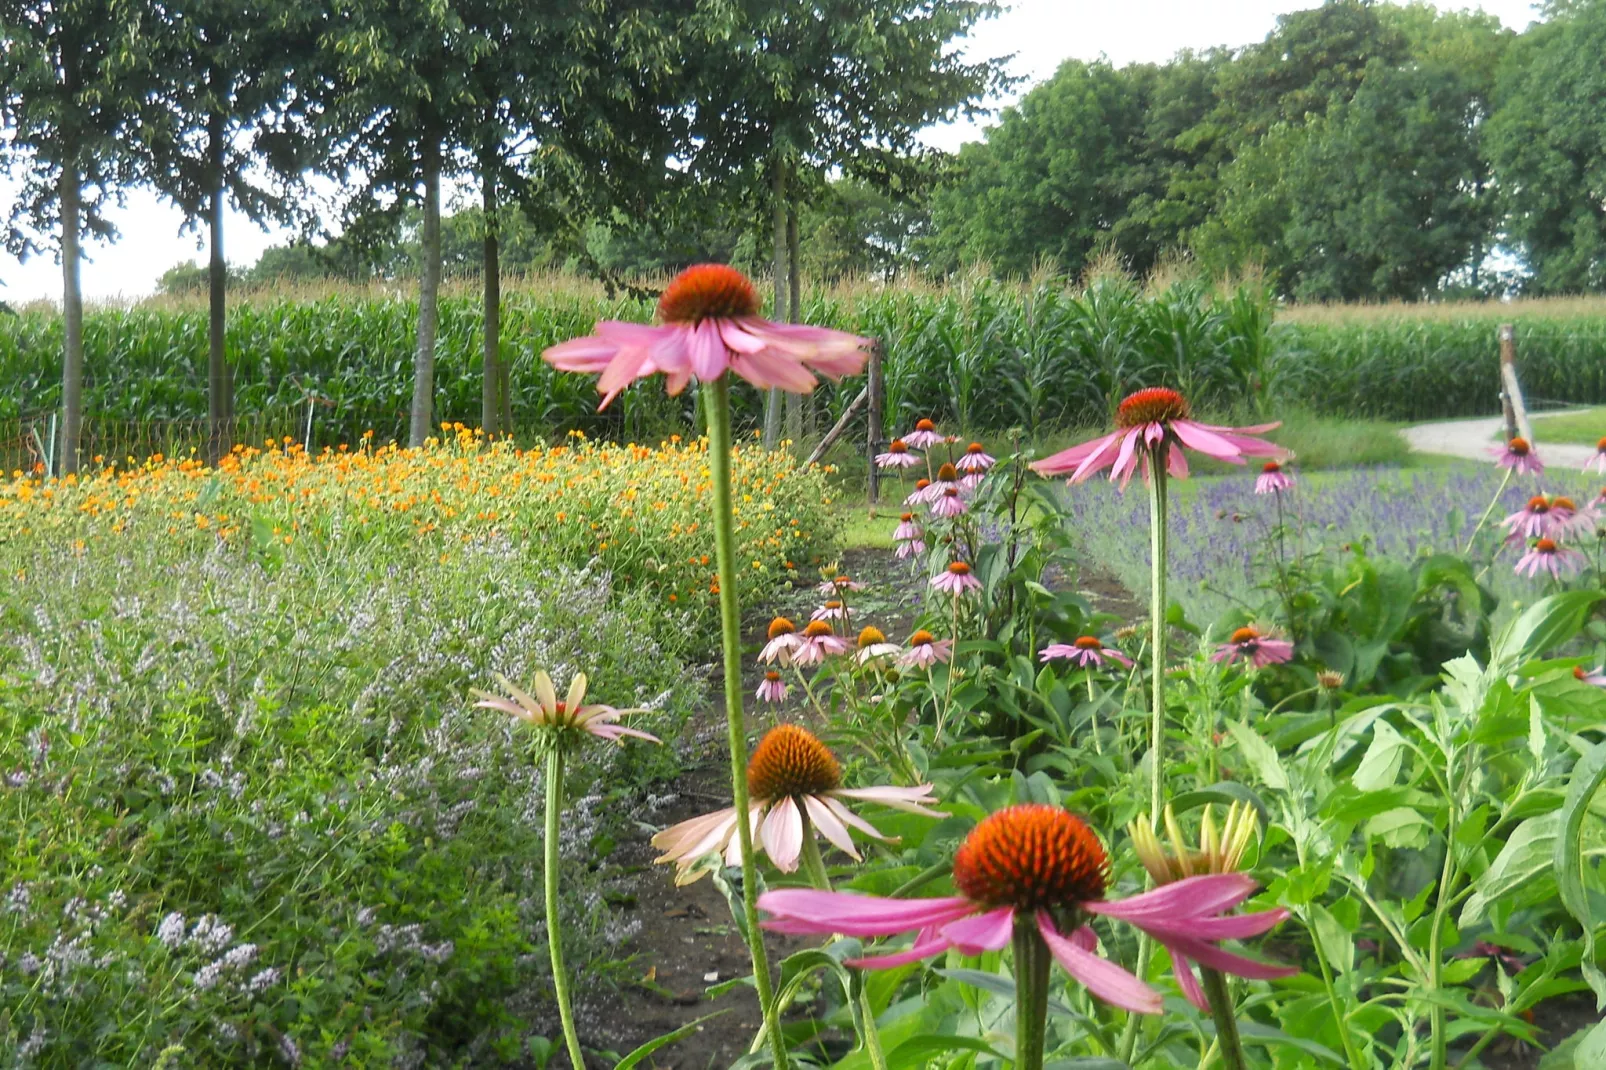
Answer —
1516 412
873 421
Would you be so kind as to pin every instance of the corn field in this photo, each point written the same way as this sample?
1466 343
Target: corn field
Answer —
978 354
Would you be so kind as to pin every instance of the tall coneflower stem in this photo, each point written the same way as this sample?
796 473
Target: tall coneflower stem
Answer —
1031 993
716 395
554 926
1484 519
1157 606
1222 1012
820 880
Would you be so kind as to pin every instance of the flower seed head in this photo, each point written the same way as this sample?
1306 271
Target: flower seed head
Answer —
708 291
1155 405
790 761
1032 857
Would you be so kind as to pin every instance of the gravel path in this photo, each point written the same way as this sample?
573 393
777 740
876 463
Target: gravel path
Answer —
1476 438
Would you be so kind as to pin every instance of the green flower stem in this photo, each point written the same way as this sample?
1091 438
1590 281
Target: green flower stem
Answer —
718 410
1487 512
1134 1022
1223 1013
554 925
921 879
814 867
1157 605
1031 993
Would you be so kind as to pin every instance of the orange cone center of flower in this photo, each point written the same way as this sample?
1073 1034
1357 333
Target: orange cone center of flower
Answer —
974 447
1156 405
922 484
1271 466
1578 672
1545 546
1601 445
921 638
781 626
833 604
842 581
1089 642
947 473
1031 857
1519 446
951 492
790 761
708 291
871 637
1564 503
1245 635
898 445
1538 504
906 517
959 568
817 628
925 425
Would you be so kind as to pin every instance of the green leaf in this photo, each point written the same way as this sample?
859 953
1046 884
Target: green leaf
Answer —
1400 827
917 1050
1381 765
1337 942
1528 852
1223 793
1260 756
1587 778
1543 626
667 1039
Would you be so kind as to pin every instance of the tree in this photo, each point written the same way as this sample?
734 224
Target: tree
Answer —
1547 140
73 76
227 130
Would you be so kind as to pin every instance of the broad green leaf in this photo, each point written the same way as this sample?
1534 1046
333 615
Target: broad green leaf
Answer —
1260 756
1337 942
1224 793
1529 852
1381 765
1400 827
918 1050
1543 626
1588 775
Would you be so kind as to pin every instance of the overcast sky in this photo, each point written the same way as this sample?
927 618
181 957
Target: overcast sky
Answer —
1040 33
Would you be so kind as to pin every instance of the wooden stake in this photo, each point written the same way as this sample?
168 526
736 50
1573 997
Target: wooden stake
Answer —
1516 412
878 388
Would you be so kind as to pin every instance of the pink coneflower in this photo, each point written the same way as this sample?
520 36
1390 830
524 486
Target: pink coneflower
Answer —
1569 521
783 643
1042 863
710 323
1545 555
907 530
818 641
790 774
1520 456
918 495
544 710
1272 479
772 689
947 479
924 436
838 584
1087 650
1157 417
1598 461
950 505
897 456
925 650
910 547
956 579
1254 646
873 646
834 609
975 459
1531 521
1593 677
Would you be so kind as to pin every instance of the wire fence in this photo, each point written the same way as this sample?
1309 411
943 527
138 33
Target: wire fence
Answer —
30 444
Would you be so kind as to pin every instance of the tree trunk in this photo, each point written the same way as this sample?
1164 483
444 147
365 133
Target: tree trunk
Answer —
491 270
772 404
217 376
72 318
429 286
794 286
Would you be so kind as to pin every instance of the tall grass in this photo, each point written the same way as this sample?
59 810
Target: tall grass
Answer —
976 353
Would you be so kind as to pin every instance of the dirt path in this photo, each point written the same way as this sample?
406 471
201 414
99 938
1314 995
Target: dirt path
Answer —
1474 439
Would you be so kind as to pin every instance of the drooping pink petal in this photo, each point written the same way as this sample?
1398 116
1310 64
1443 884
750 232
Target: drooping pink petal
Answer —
1177 462
738 340
696 837
853 820
807 910
1225 926
1183 970
830 826
767 368
1253 429
913 800
1190 897
1125 461
783 835
733 849
991 931
1115 445
709 357
613 732
1208 954
590 354
1196 437
1069 460
1101 977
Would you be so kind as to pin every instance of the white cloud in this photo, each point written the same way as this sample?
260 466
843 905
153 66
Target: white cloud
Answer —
1040 33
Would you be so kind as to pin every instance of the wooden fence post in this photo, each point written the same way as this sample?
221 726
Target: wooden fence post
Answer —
1511 402
873 423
